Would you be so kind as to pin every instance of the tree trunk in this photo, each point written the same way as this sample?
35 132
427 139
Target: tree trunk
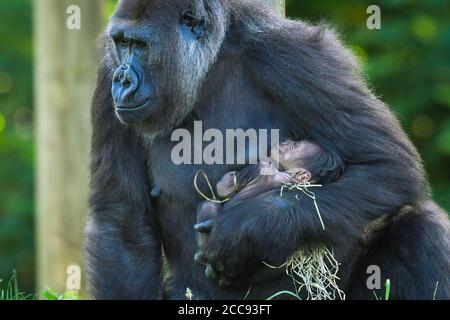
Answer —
279 5
64 82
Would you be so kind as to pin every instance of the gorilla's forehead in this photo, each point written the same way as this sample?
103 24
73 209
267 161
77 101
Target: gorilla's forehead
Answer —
131 9
135 9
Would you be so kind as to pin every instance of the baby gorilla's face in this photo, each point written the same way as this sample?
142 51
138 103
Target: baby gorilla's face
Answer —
292 155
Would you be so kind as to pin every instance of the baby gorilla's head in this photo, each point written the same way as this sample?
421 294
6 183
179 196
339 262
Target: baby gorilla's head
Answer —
301 156
292 155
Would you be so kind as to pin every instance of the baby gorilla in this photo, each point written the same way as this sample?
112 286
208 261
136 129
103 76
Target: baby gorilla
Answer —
291 163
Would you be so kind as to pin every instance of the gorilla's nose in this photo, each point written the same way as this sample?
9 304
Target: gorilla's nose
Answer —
125 84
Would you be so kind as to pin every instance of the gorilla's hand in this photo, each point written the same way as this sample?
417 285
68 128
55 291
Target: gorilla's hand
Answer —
236 243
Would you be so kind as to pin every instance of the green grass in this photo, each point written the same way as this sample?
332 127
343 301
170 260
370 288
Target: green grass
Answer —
12 292
53 295
387 292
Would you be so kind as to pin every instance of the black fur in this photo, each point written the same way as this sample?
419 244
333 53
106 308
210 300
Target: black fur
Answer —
269 72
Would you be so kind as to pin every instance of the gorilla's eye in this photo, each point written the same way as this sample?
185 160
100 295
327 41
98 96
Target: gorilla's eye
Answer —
195 24
121 42
190 19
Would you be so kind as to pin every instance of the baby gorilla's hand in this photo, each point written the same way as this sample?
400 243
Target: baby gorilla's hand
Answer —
251 181
232 182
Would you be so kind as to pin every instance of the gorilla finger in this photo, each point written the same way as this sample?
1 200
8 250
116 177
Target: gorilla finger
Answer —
210 273
207 210
199 257
223 282
212 254
205 226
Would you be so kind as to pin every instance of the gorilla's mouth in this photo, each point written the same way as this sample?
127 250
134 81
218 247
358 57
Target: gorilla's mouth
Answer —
134 113
134 107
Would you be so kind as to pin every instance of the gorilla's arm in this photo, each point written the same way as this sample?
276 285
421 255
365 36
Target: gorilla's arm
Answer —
306 72
122 247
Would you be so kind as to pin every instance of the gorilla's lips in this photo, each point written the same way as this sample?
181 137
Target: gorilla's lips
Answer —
132 107
132 113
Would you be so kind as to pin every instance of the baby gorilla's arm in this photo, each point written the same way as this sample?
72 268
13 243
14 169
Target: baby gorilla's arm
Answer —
249 182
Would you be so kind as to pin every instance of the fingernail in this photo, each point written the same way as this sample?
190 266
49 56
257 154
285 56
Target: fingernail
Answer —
209 272
203 227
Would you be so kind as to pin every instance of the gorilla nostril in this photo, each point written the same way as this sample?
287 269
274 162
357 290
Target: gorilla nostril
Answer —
128 78
126 81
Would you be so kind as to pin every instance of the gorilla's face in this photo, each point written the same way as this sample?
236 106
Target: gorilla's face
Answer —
161 52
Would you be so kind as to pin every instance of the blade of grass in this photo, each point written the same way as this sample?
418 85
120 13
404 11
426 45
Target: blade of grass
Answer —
388 289
435 290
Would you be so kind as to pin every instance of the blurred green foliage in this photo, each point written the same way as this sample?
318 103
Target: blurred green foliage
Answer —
407 63
16 143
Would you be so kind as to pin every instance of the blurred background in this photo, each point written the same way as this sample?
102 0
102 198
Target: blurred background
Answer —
407 63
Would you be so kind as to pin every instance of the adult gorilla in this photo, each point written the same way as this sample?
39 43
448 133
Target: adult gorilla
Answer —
236 64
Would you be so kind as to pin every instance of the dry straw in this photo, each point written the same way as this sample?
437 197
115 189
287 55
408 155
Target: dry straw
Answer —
314 274
313 270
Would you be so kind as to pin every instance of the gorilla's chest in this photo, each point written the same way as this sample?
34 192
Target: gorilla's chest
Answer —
215 147
175 180
178 200
176 205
